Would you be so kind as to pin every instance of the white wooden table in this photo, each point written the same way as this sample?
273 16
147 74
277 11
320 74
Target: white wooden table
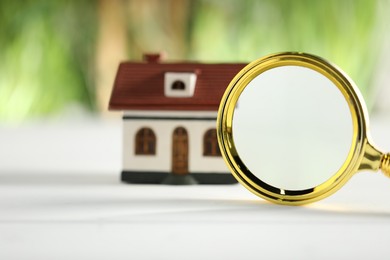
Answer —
60 198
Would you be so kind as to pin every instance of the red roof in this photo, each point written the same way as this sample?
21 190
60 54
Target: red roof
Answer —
140 86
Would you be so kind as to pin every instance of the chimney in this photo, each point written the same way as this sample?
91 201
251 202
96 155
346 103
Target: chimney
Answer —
153 57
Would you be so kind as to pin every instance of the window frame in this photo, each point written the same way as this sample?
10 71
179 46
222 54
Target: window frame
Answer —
210 143
145 142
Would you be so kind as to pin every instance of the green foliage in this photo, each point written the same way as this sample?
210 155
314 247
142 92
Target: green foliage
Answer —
46 53
48 47
347 32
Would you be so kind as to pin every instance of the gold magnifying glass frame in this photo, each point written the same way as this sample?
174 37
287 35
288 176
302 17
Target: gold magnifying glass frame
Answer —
362 154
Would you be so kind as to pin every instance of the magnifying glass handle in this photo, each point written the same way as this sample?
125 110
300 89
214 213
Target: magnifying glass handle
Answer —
374 159
385 164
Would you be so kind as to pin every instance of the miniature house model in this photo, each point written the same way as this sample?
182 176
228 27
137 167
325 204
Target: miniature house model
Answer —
169 120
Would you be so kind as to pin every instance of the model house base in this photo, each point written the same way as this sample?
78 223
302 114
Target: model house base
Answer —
164 178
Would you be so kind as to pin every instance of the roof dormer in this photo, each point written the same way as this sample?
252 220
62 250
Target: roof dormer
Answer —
179 84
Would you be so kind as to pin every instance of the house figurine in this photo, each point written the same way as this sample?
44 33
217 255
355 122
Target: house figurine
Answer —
169 120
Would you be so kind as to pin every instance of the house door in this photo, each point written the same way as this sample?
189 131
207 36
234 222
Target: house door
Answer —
180 151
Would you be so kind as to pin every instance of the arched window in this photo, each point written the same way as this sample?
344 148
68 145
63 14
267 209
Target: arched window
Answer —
145 142
210 143
178 85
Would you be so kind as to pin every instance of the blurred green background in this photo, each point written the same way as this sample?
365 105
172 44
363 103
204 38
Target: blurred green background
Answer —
61 54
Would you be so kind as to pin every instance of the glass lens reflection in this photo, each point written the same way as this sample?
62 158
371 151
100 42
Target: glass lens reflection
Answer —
292 128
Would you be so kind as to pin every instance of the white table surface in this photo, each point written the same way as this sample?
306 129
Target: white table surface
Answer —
60 198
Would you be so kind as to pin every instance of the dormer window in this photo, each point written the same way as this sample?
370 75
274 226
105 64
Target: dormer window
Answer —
179 84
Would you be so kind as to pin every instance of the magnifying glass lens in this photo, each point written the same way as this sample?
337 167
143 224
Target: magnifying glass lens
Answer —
292 128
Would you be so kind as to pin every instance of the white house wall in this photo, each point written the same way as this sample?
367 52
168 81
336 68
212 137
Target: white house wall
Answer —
163 129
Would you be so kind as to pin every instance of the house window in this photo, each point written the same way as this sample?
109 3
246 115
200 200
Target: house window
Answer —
210 143
178 85
145 142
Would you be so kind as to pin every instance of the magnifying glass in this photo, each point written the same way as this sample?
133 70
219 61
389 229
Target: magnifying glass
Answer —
293 129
